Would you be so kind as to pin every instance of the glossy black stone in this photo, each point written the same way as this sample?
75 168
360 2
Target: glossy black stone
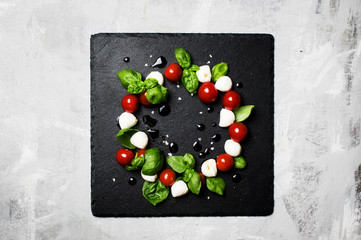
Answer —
164 110
210 109
216 137
214 124
201 155
151 122
118 123
201 127
126 59
153 133
161 62
197 146
207 151
239 85
236 178
132 181
173 147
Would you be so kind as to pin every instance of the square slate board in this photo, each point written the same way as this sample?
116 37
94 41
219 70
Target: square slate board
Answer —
250 59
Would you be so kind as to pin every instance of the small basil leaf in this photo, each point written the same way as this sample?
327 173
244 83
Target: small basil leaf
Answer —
136 87
190 81
183 58
150 83
216 185
138 162
194 68
187 174
242 113
154 161
131 168
220 70
177 163
189 160
239 162
194 183
157 94
124 136
127 76
155 192
179 178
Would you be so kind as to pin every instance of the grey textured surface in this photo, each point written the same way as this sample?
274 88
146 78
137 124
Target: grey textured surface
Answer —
45 116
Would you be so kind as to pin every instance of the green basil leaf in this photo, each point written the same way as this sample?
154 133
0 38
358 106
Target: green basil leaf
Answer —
176 163
155 192
194 183
154 161
239 162
124 136
138 162
220 70
183 58
150 83
189 159
157 94
136 87
187 174
190 81
243 112
127 76
131 168
216 185
194 68
179 178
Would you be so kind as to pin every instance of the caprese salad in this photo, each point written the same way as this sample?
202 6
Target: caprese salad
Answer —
177 174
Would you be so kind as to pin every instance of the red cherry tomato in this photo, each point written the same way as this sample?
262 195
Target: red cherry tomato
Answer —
143 99
203 179
225 162
141 153
207 92
130 103
173 72
237 131
167 177
231 100
124 156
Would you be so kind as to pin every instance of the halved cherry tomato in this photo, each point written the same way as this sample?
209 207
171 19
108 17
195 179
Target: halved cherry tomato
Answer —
173 72
130 103
140 153
207 92
203 179
167 177
225 162
124 156
231 100
237 131
143 99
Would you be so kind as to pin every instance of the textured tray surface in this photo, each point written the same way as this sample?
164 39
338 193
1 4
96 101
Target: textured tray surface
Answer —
250 60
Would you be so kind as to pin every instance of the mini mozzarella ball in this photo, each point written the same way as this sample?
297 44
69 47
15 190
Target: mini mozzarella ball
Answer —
224 84
127 120
179 188
209 168
204 74
226 118
232 148
139 140
149 178
156 75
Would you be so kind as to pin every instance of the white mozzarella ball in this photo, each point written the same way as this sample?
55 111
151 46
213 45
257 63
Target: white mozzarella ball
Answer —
232 148
156 75
224 84
226 118
139 140
127 120
209 168
204 74
149 178
179 188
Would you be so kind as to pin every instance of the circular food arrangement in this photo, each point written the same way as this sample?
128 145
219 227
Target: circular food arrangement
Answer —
176 174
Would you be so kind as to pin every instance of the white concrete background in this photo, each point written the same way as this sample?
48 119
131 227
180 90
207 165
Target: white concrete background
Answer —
45 115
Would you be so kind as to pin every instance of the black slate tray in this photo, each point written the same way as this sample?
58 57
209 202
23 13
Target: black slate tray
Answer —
250 59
